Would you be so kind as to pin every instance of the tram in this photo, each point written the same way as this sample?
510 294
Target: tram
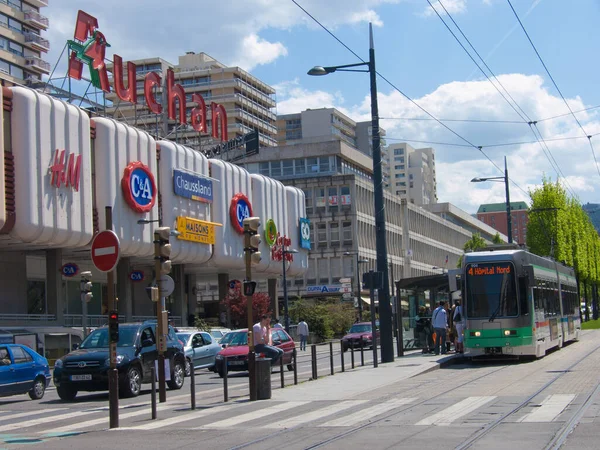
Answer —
517 303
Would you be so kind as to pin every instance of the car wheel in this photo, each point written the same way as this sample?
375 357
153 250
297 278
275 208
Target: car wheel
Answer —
65 393
188 367
177 376
212 368
132 383
38 390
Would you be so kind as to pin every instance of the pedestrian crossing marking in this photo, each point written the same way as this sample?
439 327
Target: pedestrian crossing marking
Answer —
252 415
45 419
549 409
317 414
368 413
8 416
446 416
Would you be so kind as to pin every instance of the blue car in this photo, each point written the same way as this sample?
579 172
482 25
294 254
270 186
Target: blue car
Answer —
23 371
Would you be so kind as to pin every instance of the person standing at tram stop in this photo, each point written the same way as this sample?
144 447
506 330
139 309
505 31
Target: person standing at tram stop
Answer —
459 324
439 320
262 339
302 331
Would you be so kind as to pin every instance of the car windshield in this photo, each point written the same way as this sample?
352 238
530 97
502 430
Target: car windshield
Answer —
237 338
360 329
99 338
183 337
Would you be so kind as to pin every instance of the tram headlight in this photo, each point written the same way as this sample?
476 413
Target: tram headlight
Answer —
476 333
510 332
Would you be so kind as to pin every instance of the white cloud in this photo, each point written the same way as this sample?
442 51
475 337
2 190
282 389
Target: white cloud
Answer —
452 6
255 51
478 100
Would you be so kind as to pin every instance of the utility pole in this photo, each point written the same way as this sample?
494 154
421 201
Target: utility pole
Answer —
162 266
252 256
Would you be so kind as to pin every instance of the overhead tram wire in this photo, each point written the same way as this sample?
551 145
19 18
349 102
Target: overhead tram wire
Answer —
556 85
479 148
524 116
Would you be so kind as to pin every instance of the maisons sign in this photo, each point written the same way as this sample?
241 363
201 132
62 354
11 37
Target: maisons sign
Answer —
89 47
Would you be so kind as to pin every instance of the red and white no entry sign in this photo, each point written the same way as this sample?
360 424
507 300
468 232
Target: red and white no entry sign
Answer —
105 251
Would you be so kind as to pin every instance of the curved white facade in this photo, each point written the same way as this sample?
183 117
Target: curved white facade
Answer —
2 184
177 161
270 203
116 146
296 209
53 191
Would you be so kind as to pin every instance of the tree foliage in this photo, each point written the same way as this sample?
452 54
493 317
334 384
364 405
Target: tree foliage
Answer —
497 239
472 245
237 304
327 319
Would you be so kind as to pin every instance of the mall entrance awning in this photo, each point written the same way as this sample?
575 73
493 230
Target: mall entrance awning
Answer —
436 282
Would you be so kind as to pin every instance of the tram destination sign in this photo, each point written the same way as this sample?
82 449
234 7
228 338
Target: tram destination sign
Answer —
481 270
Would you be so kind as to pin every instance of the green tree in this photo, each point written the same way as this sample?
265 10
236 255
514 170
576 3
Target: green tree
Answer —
497 239
472 245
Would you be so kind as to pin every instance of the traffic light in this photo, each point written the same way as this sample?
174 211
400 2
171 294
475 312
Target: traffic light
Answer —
86 286
113 326
252 239
162 250
249 288
152 292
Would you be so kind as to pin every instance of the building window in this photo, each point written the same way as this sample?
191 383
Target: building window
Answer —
398 151
322 235
299 166
312 236
320 198
275 169
324 164
345 200
309 200
263 168
347 232
336 270
334 234
312 165
288 167
323 271
332 198
311 277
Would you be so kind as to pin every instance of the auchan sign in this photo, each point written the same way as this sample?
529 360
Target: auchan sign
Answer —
89 47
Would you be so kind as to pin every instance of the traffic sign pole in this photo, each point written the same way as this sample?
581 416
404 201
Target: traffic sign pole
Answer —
113 374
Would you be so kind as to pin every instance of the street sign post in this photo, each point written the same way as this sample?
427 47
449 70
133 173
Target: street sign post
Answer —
345 280
105 251
167 285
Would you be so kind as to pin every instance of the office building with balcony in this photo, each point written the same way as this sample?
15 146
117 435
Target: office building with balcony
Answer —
494 215
21 43
248 101
412 173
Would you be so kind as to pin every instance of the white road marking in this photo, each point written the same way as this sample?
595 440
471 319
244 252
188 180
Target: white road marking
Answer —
456 411
252 415
365 414
549 409
315 415
45 419
8 416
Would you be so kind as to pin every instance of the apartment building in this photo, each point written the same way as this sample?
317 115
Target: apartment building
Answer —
412 173
494 214
247 100
21 44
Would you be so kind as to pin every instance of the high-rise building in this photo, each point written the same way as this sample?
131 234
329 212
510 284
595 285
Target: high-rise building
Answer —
412 173
21 43
247 100
494 214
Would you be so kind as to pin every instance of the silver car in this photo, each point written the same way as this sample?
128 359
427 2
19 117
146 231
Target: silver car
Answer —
200 350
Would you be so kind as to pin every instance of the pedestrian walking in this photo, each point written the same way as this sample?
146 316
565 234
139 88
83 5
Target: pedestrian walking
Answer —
302 331
459 324
424 330
440 326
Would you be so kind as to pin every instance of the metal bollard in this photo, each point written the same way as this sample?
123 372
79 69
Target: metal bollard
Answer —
193 385
295 366
331 356
362 352
225 373
342 355
313 355
153 392
281 371
352 355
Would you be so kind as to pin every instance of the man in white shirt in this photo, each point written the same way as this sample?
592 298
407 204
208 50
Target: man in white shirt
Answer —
439 320
302 331
261 332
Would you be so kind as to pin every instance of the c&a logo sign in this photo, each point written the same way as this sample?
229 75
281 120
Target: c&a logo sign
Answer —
239 209
139 188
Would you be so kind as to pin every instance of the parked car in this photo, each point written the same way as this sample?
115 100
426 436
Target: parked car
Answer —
359 334
86 368
23 371
235 348
218 333
200 350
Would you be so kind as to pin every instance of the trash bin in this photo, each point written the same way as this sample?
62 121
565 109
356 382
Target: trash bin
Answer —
263 378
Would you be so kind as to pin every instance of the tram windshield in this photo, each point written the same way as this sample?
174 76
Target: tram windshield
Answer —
491 290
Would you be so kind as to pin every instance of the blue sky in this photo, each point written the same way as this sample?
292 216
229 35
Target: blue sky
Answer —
277 42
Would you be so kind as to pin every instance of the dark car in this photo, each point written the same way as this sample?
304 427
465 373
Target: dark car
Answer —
359 335
86 368
23 371
235 345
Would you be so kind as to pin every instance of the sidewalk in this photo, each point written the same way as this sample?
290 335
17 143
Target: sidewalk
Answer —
352 382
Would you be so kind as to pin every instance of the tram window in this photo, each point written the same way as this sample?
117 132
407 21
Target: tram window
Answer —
523 296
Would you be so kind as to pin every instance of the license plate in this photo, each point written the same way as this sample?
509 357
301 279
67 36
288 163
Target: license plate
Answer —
235 363
85 377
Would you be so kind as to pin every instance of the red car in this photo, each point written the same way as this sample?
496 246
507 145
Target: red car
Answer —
362 331
235 348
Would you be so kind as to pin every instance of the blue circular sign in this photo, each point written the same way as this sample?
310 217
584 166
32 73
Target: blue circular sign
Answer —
69 270
139 187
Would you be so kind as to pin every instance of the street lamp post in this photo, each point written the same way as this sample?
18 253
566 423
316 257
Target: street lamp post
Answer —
286 316
387 339
505 180
358 290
